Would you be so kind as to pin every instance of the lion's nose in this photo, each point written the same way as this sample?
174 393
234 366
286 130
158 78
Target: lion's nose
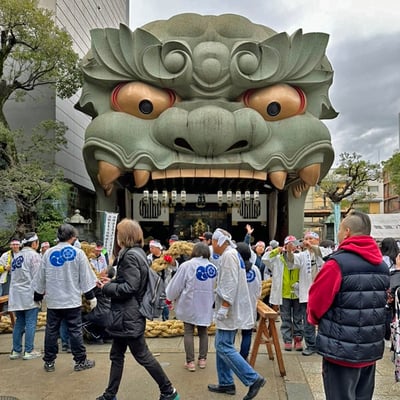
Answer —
212 132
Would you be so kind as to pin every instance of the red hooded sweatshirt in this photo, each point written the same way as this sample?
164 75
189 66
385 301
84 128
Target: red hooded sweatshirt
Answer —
327 282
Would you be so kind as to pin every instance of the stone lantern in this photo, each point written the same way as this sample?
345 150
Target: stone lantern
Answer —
79 222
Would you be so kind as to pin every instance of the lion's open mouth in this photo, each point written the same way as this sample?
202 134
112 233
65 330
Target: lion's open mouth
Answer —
207 179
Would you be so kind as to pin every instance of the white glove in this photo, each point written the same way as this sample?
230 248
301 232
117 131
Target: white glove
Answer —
92 303
222 313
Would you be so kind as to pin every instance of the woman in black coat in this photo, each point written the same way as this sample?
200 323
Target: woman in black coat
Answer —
128 326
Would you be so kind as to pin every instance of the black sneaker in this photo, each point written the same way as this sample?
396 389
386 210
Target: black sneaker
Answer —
49 366
172 396
86 364
255 388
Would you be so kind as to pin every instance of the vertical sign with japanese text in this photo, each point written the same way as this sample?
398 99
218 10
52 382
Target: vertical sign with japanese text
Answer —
110 223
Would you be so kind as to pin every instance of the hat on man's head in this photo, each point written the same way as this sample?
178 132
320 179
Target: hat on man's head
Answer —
260 243
174 238
155 243
45 244
206 236
274 244
15 241
290 239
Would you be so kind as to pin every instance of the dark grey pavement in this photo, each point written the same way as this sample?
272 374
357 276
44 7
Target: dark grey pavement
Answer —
27 380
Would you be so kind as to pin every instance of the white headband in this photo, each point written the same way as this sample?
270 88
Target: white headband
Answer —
221 237
32 239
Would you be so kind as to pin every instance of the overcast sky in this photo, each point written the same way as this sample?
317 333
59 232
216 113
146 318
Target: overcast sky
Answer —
364 50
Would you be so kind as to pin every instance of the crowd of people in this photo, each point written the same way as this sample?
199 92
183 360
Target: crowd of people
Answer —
345 290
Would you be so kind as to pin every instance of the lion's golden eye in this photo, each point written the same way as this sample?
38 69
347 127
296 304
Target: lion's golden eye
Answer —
276 102
141 100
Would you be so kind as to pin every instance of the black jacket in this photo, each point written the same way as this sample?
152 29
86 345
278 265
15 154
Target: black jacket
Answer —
126 291
353 329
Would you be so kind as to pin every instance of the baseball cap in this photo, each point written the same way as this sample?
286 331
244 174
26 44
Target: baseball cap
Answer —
290 239
155 243
206 236
174 238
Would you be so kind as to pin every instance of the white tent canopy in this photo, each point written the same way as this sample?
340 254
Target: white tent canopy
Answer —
385 225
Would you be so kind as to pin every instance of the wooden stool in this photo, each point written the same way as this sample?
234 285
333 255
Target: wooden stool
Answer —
3 300
268 335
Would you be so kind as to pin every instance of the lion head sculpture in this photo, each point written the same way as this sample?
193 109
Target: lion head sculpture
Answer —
202 101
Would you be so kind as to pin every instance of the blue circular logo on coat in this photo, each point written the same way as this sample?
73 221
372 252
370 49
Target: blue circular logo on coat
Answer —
68 253
250 275
201 273
211 271
59 257
17 263
207 272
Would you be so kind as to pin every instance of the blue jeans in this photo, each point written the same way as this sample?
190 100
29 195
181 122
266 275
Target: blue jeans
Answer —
165 313
25 323
230 361
245 343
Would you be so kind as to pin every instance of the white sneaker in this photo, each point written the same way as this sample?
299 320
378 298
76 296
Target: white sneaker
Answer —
14 355
33 354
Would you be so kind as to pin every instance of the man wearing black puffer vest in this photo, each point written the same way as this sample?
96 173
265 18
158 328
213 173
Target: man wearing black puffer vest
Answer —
347 302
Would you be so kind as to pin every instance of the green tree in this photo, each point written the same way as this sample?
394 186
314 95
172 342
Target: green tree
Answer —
33 179
349 180
34 51
392 167
347 184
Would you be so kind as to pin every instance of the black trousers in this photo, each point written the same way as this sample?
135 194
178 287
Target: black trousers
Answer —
142 355
73 319
346 383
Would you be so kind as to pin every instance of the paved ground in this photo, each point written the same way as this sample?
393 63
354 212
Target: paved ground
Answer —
26 380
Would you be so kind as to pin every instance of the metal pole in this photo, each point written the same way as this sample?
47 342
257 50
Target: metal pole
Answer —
337 215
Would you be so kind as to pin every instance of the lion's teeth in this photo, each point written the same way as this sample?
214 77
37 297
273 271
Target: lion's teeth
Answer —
310 174
278 179
141 177
107 173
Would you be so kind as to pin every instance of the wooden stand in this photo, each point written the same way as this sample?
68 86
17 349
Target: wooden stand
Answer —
268 335
3 300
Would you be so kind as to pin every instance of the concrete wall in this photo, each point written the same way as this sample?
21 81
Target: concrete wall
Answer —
78 18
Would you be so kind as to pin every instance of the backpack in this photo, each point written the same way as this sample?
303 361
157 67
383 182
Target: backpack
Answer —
154 297
153 300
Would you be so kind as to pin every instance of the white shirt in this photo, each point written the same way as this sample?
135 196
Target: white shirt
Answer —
232 287
192 290
63 276
24 266
253 276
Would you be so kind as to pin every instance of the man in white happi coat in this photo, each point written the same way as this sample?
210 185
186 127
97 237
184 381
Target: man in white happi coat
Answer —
63 276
